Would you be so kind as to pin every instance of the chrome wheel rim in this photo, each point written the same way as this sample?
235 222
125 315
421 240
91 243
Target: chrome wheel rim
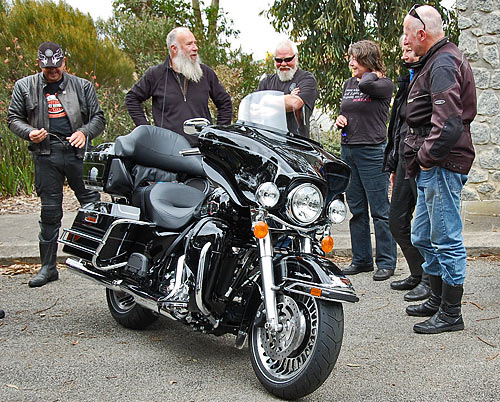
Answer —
285 355
121 301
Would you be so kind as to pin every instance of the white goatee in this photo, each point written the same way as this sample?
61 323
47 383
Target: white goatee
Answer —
287 75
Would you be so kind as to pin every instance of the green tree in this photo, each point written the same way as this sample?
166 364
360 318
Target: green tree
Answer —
87 54
325 29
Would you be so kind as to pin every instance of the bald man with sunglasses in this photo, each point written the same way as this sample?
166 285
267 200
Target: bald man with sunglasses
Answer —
439 154
299 86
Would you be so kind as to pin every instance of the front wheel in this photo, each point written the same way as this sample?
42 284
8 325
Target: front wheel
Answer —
127 312
294 362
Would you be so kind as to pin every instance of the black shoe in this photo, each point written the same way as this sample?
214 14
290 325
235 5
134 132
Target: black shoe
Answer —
354 269
44 277
406 284
382 274
2 314
421 292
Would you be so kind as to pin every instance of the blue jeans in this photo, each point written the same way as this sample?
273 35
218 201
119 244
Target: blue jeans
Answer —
437 227
367 194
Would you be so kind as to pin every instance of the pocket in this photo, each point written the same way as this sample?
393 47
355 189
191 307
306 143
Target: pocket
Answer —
412 144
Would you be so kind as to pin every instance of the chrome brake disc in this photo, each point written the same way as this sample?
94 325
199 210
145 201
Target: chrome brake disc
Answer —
279 345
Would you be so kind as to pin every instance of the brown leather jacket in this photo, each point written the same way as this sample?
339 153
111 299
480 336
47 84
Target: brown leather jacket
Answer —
441 105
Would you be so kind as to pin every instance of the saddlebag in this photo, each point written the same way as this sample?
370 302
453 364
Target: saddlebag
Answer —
105 233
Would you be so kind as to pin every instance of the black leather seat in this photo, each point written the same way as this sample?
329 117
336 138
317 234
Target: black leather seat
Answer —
172 205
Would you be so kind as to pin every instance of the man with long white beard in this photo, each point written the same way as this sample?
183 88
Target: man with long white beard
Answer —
180 88
299 87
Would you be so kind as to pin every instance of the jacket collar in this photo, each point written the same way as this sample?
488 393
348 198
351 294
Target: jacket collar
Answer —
434 48
62 85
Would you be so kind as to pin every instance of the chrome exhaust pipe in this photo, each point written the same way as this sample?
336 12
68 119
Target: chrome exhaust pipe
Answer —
142 298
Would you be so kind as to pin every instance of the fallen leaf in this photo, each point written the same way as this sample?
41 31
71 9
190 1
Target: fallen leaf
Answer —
12 386
492 357
75 342
172 382
352 365
24 329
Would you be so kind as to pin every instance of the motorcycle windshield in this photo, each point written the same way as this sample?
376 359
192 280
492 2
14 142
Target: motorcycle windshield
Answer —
264 109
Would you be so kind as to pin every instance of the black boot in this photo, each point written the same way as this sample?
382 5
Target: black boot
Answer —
421 292
406 284
430 306
2 314
449 316
48 272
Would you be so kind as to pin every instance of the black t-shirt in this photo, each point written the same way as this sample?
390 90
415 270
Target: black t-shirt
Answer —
308 93
58 120
365 104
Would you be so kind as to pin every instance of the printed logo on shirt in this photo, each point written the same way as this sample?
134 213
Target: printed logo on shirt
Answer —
356 95
56 110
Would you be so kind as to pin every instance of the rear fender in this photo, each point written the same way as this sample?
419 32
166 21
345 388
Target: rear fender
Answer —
314 276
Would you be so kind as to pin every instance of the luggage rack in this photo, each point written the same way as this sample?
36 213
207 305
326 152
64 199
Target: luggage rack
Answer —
69 233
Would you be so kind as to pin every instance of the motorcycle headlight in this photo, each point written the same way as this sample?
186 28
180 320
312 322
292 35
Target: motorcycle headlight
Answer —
304 203
267 195
337 211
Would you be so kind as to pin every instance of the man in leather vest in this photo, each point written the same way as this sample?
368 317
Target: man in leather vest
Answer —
58 114
439 154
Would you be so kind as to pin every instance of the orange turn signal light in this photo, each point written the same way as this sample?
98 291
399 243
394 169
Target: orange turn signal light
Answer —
260 229
327 244
315 292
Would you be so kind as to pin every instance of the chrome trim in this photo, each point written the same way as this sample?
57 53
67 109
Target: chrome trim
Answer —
140 297
178 277
305 245
198 290
334 294
268 286
295 227
101 241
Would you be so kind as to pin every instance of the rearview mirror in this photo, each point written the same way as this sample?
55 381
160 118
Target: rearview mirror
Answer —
194 126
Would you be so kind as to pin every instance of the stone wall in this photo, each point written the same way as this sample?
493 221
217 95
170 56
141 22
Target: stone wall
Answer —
479 22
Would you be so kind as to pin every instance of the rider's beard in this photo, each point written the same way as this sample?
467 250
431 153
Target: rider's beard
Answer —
287 75
187 67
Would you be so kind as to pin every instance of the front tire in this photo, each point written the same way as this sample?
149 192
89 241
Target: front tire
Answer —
127 312
296 361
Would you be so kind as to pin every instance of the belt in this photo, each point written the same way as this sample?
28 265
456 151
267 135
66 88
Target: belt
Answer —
422 131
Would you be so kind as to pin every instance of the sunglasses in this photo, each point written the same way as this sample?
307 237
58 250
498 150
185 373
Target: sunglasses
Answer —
413 13
280 60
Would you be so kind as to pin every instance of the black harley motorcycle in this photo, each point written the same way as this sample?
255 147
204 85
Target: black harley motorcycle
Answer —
228 238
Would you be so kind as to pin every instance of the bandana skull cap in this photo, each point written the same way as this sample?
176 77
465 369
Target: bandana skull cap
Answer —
50 54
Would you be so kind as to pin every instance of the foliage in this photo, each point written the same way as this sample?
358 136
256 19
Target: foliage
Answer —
325 29
74 31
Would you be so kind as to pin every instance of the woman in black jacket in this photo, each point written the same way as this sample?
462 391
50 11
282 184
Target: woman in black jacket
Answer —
404 192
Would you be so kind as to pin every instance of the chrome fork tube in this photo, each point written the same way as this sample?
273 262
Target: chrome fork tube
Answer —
268 286
306 245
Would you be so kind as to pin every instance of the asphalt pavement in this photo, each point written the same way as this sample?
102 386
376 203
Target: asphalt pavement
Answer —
59 342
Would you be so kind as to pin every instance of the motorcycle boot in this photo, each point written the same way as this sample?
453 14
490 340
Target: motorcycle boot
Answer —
48 272
421 292
449 316
430 306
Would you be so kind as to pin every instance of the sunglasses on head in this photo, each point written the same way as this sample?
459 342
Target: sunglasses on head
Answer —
284 59
414 14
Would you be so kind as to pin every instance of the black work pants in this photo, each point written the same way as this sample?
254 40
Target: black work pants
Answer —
403 201
50 172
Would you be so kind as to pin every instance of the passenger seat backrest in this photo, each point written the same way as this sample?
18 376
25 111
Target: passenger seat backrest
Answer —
119 181
158 147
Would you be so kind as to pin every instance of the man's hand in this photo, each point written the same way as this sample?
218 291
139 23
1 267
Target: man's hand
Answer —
77 139
295 91
37 136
